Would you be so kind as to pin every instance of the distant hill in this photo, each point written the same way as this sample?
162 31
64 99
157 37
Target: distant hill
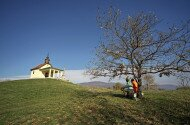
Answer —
168 87
50 101
100 84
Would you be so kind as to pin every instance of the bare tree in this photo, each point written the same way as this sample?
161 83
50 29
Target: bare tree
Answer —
149 81
184 79
133 46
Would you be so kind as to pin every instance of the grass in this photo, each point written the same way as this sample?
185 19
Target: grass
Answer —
48 101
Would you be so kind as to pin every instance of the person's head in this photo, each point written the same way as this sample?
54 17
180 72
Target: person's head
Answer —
132 80
127 80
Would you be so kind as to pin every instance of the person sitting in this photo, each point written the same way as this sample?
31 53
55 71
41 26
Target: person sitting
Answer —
128 88
135 87
128 85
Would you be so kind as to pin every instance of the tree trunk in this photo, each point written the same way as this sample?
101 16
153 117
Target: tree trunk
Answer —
139 81
139 74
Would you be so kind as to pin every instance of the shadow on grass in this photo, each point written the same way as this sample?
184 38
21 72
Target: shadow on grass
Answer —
118 95
89 94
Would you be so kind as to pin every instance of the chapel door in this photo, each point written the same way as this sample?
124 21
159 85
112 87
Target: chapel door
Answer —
46 74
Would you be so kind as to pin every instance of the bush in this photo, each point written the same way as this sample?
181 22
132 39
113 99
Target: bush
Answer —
183 88
117 86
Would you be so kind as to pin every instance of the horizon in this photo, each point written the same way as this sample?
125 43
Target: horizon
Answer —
67 30
77 76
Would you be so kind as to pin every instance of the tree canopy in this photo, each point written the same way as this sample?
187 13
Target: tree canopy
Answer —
133 45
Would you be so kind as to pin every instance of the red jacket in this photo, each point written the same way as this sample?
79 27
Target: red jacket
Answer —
135 86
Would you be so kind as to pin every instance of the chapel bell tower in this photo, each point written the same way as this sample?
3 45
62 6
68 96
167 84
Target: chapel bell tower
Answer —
47 60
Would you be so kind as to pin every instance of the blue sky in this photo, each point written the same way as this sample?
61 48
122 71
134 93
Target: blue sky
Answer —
66 29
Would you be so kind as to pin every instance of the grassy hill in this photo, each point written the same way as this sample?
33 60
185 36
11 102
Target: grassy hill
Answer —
47 101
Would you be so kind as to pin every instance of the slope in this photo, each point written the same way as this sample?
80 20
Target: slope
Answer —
48 101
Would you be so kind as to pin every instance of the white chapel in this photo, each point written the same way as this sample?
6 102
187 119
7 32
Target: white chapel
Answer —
46 70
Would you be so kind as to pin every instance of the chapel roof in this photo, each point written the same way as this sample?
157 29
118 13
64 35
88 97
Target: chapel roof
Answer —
39 66
51 68
46 61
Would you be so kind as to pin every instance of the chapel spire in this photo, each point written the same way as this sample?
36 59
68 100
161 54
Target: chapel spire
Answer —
47 60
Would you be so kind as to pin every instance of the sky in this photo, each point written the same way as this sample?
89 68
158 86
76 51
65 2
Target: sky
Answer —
66 29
